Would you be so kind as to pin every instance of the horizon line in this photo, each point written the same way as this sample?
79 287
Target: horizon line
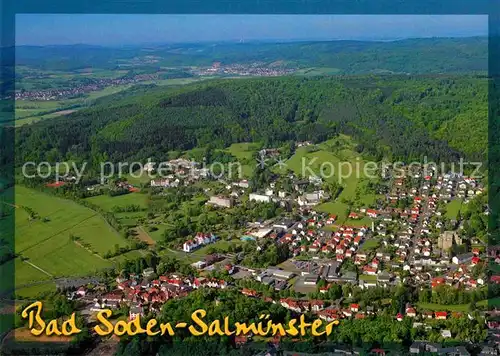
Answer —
243 41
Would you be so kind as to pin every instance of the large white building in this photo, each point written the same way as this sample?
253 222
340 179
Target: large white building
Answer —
259 198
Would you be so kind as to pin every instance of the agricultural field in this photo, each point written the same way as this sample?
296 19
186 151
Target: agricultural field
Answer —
24 273
46 240
29 108
107 202
30 111
309 72
173 81
35 290
62 219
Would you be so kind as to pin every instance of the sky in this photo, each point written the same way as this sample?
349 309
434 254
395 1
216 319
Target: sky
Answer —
50 29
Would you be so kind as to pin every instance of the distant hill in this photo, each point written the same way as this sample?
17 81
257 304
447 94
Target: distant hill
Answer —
404 117
416 56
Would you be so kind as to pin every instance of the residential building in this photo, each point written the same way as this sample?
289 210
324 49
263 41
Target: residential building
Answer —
259 198
221 201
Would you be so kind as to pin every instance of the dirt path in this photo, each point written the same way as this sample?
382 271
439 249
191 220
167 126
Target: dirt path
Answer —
57 233
38 268
143 236
94 253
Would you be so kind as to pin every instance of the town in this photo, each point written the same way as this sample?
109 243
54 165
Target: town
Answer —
404 239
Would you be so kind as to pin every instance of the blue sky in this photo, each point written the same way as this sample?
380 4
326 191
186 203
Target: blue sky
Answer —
45 29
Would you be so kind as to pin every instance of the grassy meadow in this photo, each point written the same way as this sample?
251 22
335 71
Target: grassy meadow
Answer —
45 243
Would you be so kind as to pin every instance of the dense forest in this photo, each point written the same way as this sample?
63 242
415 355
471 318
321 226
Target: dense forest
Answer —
397 117
426 55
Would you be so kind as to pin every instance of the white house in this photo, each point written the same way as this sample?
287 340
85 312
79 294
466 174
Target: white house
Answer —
259 198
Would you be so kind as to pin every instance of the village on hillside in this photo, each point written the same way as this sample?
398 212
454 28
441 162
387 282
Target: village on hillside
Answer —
406 237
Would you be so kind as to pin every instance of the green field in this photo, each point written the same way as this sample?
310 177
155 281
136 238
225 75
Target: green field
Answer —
336 207
494 302
107 202
338 162
129 256
35 290
174 81
442 307
244 154
244 150
452 208
367 277
24 273
29 111
370 244
158 234
318 71
47 244
64 217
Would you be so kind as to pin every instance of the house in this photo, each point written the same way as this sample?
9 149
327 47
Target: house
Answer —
135 311
301 185
446 333
331 219
463 258
453 351
148 272
437 282
240 340
220 201
242 184
310 199
205 239
229 268
441 315
190 246
383 278
353 215
424 347
199 240
427 314
81 292
259 198
399 317
317 305
372 213
354 307
112 299
160 183
370 270
411 312
488 350
249 292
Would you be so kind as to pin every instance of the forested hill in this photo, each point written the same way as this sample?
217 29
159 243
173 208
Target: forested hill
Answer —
404 117
428 55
